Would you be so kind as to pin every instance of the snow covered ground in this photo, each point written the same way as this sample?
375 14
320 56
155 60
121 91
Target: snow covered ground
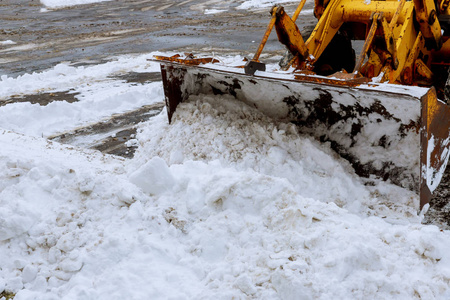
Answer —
262 3
223 203
243 4
99 95
66 3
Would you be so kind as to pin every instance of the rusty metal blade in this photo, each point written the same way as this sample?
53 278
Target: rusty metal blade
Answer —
435 142
396 133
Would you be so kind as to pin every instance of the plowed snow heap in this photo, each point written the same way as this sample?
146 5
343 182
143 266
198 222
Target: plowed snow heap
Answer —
384 110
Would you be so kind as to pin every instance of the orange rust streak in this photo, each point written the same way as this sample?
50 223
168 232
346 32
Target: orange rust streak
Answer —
191 62
436 117
348 82
433 108
289 35
368 43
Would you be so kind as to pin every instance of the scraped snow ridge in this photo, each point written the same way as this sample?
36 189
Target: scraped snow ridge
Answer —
99 95
223 203
262 3
66 3
7 42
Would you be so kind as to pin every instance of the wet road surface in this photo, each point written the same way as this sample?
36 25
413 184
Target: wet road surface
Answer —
92 33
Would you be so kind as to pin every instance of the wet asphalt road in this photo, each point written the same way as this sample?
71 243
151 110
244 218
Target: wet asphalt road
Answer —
92 33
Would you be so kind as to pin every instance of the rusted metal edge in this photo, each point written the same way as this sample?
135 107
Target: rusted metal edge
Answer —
351 82
172 90
189 62
435 143
434 128
334 81
173 94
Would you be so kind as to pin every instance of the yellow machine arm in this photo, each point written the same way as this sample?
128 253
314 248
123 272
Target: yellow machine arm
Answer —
401 39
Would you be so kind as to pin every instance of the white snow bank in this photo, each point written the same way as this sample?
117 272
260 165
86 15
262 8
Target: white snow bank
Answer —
215 230
7 42
64 76
61 116
215 7
214 11
224 203
65 3
262 3
221 128
153 177
99 95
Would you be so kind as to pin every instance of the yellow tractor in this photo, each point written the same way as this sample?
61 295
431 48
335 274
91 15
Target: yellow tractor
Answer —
384 110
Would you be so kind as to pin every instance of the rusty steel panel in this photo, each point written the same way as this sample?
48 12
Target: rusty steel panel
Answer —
435 142
392 135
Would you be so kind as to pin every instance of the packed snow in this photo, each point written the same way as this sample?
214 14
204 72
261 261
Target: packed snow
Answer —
214 11
98 93
7 42
262 3
66 3
223 203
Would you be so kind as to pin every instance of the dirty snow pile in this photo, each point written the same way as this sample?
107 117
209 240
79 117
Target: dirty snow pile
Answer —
224 203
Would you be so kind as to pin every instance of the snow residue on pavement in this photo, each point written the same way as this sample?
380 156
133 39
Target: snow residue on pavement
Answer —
223 203
214 11
7 42
65 3
99 95
262 3
216 6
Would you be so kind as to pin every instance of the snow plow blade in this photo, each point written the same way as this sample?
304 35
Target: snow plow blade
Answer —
392 132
